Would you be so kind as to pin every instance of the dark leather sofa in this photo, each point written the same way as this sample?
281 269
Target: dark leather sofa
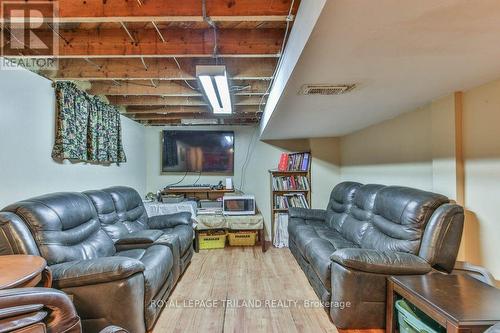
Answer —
111 263
124 218
367 233
40 310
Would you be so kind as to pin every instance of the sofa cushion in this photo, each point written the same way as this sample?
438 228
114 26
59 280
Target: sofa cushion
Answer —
107 214
359 215
65 227
185 235
158 262
129 207
400 216
318 251
340 202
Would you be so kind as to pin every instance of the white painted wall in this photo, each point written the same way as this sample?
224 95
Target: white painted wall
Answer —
395 152
27 128
262 157
481 120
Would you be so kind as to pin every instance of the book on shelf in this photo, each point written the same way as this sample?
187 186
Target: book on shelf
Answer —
288 200
294 161
290 183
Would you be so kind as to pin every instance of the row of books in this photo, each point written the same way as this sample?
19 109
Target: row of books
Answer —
290 200
286 183
280 230
294 162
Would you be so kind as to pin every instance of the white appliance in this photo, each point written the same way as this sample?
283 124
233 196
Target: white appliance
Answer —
238 205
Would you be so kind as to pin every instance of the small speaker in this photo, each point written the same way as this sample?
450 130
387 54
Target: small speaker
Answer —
229 183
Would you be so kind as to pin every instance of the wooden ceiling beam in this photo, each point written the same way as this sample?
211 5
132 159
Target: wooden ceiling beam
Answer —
221 122
252 110
188 116
115 43
155 101
149 102
165 88
80 10
156 69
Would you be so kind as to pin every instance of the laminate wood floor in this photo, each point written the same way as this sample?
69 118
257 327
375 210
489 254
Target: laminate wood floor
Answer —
216 293
224 283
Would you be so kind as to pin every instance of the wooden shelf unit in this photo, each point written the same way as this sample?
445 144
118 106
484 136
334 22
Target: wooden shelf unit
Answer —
274 193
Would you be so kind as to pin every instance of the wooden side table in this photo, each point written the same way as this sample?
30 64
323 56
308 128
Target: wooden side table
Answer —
459 303
23 271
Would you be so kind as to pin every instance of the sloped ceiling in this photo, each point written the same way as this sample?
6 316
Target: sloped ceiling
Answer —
401 54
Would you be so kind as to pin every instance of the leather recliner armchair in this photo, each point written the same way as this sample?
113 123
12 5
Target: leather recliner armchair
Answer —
369 232
124 288
40 310
122 215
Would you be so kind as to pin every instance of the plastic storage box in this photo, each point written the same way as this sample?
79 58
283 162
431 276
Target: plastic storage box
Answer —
412 320
212 240
242 238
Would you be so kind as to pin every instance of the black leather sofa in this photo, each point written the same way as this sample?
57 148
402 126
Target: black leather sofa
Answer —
112 263
369 232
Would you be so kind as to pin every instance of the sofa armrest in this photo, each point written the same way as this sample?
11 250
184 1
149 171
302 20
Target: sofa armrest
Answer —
22 306
100 270
381 262
169 221
307 214
140 237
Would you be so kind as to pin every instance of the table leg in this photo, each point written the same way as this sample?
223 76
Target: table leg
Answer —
262 240
196 241
47 278
390 323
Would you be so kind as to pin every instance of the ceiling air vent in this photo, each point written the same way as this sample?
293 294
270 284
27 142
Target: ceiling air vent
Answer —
326 89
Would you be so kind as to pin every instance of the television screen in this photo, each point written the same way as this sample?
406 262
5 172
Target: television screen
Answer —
198 151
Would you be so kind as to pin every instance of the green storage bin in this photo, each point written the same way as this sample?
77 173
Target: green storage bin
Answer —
413 320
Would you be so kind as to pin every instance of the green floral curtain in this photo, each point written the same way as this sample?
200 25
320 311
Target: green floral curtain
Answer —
87 128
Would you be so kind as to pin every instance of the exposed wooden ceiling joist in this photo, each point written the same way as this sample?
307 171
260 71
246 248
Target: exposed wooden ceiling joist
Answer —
149 102
157 69
252 110
176 122
115 43
188 10
163 88
188 116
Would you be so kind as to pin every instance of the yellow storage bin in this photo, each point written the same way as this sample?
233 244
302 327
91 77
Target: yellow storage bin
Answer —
242 238
212 240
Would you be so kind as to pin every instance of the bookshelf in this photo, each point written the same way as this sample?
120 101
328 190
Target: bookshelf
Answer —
293 185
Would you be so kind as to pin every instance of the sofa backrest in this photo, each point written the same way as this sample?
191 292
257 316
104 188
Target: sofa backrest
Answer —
359 216
340 203
64 226
15 237
400 215
107 214
129 207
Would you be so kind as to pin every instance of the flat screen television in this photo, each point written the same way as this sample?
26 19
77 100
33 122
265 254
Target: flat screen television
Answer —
198 151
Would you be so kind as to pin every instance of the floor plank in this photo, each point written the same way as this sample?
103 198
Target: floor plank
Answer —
235 280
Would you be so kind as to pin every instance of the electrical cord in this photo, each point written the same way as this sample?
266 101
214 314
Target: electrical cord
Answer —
247 158
180 181
199 176
280 60
180 69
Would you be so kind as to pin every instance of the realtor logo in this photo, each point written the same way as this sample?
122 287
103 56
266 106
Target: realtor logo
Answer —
30 35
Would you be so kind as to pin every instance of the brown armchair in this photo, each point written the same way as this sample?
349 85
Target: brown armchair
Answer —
34 310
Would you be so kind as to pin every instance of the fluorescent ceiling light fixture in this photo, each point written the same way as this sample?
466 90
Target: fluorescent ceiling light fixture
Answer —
215 86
